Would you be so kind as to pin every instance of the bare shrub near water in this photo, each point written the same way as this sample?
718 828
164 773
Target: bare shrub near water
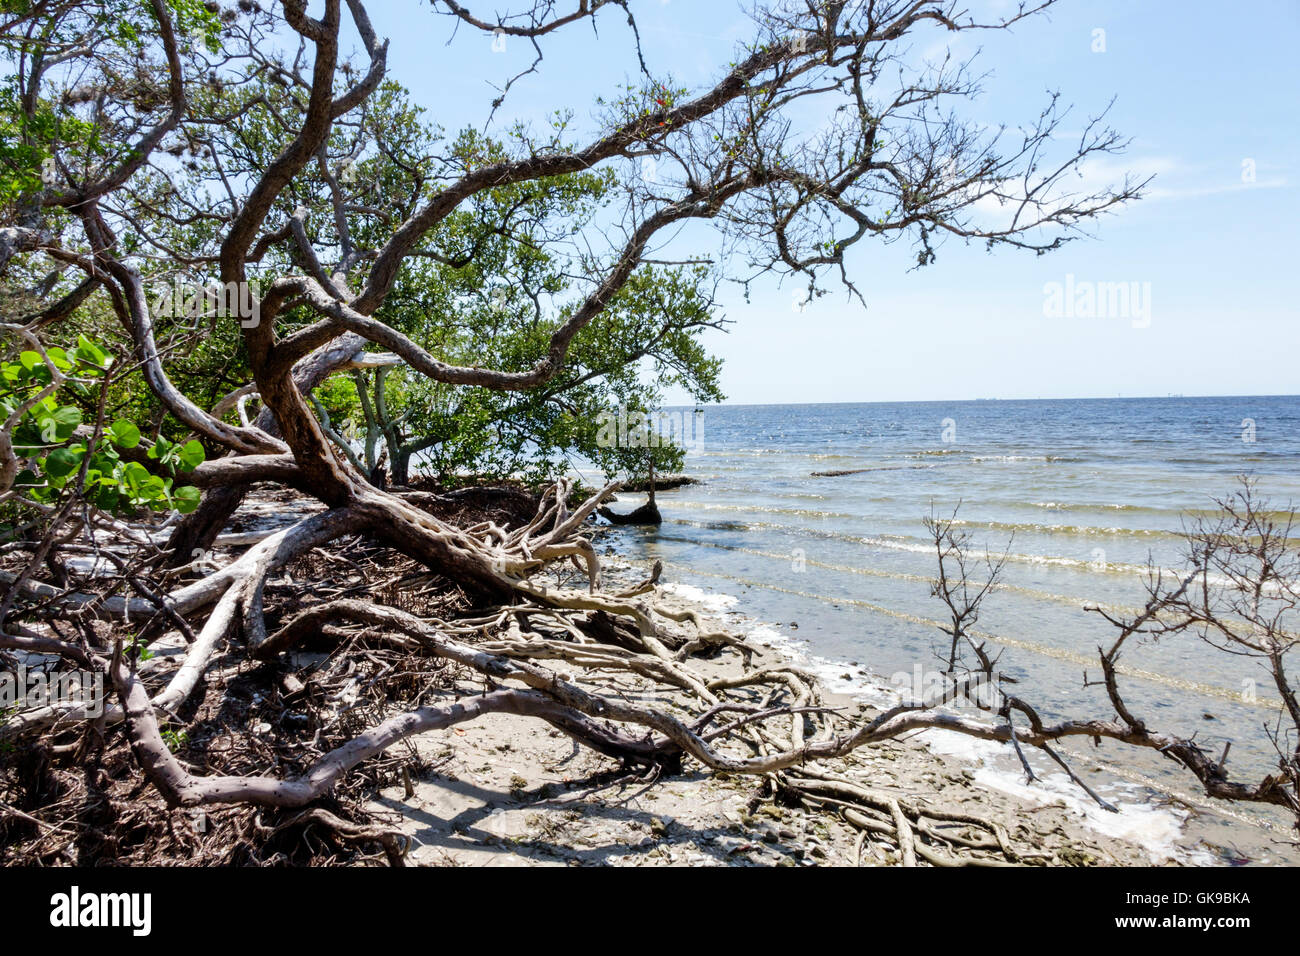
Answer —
1238 592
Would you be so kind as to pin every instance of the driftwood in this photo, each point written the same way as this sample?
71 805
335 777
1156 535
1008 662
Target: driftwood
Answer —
648 513
661 483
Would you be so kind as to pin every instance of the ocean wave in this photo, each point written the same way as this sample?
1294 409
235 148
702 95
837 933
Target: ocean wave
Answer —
762 452
1088 661
916 546
1020 527
1063 506
713 602
1038 458
845 472
1010 527
945 458
922 579
761 509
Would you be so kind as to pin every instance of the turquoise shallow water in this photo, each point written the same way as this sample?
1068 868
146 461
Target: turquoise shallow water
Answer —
1082 493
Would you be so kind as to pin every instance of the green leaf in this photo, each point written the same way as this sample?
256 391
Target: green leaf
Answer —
192 454
152 489
134 475
63 461
124 434
186 499
59 358
161 448
59 424
90 353
106 497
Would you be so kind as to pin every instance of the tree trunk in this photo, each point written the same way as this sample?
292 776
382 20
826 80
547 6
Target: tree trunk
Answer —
401 468
196 532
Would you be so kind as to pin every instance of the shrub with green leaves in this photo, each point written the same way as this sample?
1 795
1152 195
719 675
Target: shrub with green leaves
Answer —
62 457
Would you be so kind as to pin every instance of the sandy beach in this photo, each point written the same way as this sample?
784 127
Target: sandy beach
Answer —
507 791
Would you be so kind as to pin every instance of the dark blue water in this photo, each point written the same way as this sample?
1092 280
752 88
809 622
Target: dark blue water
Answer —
1081 494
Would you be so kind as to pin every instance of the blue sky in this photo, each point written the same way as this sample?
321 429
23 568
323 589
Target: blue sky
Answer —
1199 87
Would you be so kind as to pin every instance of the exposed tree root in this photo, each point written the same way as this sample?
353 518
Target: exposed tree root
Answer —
539 655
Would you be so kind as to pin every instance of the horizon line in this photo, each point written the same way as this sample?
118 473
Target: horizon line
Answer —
943 401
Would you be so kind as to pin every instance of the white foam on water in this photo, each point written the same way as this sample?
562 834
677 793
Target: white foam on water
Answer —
1156 830
618 565
768 636
712 601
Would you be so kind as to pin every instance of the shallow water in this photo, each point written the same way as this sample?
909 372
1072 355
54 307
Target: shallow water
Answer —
1079 494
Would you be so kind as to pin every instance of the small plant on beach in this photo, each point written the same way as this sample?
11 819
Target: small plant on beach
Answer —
175 739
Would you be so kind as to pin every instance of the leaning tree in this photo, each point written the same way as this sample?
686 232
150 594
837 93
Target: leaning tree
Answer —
484 309
172 144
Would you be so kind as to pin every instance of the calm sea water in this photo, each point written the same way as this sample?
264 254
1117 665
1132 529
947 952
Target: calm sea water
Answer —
1081 492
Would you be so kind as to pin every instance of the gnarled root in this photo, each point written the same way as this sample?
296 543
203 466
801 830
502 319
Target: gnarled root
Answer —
522 656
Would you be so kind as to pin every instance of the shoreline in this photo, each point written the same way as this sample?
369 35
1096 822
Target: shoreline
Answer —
507 791
1167 826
